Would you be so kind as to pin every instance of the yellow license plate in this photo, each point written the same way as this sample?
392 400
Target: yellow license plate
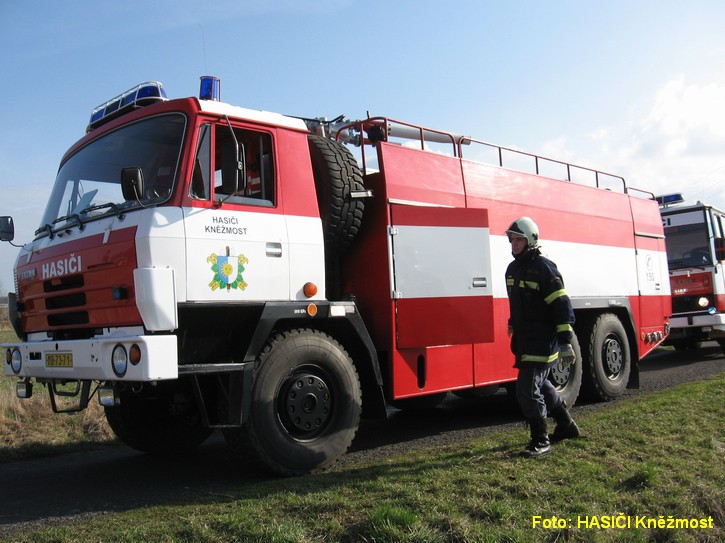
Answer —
59 360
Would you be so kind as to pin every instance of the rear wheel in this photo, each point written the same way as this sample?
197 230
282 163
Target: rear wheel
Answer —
306 403
606 348
161 419
568 380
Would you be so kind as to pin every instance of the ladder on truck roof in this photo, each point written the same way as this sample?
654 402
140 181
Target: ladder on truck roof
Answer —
375 129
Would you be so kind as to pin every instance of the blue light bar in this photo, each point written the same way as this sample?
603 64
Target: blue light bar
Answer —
140 95
667 199
210 88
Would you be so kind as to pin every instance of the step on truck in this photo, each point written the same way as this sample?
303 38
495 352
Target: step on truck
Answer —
695 240
202 266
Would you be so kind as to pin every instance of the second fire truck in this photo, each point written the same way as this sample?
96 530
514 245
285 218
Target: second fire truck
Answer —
201 266
695 236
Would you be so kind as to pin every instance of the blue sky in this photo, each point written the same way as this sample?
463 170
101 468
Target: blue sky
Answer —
631 87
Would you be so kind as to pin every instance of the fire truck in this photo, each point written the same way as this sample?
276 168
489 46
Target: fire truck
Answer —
695 240
202 266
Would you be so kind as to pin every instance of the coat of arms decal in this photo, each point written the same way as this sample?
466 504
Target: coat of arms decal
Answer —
228 271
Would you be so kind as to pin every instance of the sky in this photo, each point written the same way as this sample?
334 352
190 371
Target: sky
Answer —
633 87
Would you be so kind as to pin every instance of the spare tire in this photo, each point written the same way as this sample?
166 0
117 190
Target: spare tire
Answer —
337 176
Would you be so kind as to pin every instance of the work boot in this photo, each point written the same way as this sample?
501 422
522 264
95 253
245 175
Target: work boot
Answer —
566 428
539 444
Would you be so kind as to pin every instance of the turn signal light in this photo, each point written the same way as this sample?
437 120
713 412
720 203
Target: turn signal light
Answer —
134 354
309 290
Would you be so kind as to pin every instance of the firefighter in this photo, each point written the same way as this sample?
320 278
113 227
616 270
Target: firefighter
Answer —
541 332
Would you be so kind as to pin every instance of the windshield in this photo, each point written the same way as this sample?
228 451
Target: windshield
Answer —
687 246
88 184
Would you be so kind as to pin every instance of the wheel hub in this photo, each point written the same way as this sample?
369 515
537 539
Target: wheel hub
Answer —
613 356
560 374
305 405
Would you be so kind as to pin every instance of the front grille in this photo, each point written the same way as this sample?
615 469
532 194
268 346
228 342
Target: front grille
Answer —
63 283
58 302
64 302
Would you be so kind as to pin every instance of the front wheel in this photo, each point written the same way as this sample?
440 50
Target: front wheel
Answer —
306 402
606 348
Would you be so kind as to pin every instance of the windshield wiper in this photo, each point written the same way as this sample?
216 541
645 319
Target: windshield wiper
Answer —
47 228
110 205
75 219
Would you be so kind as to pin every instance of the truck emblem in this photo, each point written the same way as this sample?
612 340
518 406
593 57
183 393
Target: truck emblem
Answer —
227 270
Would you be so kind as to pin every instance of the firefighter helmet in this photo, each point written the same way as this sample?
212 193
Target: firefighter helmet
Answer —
525 227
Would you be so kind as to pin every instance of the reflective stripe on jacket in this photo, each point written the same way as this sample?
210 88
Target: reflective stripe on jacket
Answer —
541 313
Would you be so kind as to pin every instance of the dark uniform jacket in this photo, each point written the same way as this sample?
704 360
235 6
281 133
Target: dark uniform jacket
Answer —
541 311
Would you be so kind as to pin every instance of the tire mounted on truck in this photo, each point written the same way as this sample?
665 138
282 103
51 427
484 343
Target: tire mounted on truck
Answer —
568 380
305 406
606 348
337 178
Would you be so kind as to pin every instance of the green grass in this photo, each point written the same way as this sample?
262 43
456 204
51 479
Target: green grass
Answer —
648 457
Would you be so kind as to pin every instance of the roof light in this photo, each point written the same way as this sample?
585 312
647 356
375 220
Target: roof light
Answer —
140 95
668 199
210 88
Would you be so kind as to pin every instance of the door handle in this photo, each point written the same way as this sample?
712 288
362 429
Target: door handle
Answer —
480 282
274 250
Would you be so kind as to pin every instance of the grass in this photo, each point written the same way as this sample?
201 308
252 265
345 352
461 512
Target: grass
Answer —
644 459
28 428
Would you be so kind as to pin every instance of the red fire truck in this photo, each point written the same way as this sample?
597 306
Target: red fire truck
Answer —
203 266
695 237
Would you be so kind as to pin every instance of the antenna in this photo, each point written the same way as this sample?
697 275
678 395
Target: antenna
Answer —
203 46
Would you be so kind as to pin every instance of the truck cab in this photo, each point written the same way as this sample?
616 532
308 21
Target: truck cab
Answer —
695 239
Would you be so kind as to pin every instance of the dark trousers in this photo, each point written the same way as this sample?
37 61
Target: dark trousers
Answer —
535 393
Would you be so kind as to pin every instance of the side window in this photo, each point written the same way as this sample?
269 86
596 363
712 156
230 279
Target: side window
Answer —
719 237
258 186
200 181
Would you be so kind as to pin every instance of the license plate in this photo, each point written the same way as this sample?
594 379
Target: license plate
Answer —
59 360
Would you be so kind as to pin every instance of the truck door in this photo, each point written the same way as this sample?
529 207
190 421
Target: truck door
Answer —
237 242
442 283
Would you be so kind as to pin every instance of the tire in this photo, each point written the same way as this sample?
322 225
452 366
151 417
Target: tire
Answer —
608 360
721 342
162 419
568 380
337 175
306 403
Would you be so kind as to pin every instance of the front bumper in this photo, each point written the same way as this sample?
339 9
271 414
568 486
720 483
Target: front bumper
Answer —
710 325
91 359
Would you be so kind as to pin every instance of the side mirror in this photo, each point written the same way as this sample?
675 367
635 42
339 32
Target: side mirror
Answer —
233 168
132 184
7 229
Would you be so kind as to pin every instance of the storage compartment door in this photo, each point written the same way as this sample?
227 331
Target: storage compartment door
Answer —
441 267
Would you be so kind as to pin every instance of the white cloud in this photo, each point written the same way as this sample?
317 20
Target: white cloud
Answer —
676 144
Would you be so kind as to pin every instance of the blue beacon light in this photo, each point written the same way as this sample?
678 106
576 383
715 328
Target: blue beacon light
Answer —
140 95
210 88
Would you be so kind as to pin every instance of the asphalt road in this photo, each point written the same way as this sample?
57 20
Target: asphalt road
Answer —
69 487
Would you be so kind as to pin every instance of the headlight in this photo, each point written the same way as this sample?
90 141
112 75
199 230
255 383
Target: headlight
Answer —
16 361
119 360
703 302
